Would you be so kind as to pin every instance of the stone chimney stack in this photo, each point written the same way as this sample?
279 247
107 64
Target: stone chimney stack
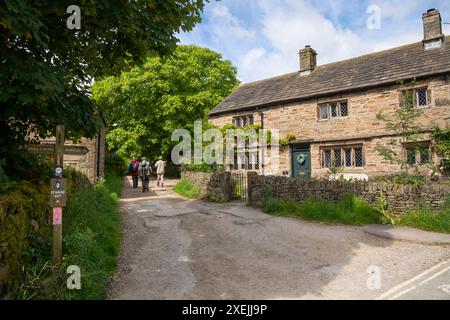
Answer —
432 29
308 61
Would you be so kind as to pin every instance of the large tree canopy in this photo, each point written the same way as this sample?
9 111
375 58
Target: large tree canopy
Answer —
146 104
46 68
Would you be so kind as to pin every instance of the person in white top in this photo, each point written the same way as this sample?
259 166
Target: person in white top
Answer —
160 166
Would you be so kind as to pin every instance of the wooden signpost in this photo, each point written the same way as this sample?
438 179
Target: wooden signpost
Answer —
50 148
57 195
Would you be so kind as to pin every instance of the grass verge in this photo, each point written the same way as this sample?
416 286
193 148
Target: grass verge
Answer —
91 240
427 220
186 189
350 210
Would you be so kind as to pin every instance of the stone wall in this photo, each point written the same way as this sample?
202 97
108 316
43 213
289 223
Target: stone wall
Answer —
211 185
400 198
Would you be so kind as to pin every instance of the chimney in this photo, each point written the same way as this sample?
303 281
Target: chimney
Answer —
432 29
308 61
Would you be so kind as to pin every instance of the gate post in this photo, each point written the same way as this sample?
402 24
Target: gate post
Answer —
226 186
250 177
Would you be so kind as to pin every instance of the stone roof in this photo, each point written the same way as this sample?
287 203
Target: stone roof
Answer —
371 70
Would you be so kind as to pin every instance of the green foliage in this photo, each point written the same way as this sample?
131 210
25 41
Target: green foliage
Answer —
145 105
186 189
350 210
205 167
442 140
386 218
91 240
21 203
402 178
47 68
405 124
427 220
287 139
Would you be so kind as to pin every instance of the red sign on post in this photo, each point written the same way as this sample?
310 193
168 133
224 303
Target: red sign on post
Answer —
57 215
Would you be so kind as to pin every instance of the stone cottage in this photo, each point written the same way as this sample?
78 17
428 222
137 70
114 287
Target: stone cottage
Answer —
331 109
86 155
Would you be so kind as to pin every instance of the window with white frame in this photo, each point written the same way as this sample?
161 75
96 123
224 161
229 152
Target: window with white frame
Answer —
342 156
419 97
333 110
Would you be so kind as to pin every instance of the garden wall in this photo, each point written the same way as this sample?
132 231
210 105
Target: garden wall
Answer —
400 198
211 185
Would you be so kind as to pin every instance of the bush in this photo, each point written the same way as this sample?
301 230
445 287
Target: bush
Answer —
91 237
186 189
350 210
204 168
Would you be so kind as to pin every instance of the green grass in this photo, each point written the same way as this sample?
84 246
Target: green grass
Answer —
350 210
427 220
186 189
91 240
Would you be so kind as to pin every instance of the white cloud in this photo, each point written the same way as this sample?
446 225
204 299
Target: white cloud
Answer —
291 25
263 37
289 28
228 25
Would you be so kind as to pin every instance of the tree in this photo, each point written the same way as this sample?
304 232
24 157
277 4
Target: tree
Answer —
144 105
46 69
405 126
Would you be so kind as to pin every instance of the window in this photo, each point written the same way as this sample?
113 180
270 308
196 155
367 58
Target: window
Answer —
421 97
348 157
358 157
343 157
243 121
327 159
245 160
418 154
324 112
337 158
417 97
333 110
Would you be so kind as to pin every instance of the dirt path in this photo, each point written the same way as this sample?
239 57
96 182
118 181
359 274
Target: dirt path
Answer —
179 249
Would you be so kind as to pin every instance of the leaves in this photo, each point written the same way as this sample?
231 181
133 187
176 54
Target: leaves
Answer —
46 69
146 104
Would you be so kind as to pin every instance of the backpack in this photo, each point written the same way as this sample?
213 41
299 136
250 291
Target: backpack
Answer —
144 168
134 168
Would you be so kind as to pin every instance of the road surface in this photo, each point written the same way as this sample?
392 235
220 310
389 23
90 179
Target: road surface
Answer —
175 248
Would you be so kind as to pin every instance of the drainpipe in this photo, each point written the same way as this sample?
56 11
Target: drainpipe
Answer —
261 117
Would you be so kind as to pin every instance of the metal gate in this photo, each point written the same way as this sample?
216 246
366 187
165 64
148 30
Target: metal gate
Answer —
238 186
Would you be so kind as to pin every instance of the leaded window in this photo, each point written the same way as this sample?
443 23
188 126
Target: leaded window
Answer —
348 156
333 110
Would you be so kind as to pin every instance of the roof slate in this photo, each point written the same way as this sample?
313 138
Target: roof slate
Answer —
371 70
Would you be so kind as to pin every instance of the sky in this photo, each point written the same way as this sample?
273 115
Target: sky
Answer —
262 38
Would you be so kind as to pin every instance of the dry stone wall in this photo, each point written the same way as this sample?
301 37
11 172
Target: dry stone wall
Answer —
400 198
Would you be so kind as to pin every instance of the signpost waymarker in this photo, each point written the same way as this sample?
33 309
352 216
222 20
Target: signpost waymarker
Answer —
49 148
58 195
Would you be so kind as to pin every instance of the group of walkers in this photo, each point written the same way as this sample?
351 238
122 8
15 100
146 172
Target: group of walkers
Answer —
144 169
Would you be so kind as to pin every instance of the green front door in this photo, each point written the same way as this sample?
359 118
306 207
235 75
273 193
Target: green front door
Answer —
301 161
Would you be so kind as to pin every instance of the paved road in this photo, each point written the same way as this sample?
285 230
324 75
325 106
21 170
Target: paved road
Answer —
186 249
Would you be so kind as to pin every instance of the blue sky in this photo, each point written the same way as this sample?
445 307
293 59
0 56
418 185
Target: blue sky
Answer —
262 37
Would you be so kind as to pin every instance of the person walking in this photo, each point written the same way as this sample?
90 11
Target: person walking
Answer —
133 170
145 170
160 166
